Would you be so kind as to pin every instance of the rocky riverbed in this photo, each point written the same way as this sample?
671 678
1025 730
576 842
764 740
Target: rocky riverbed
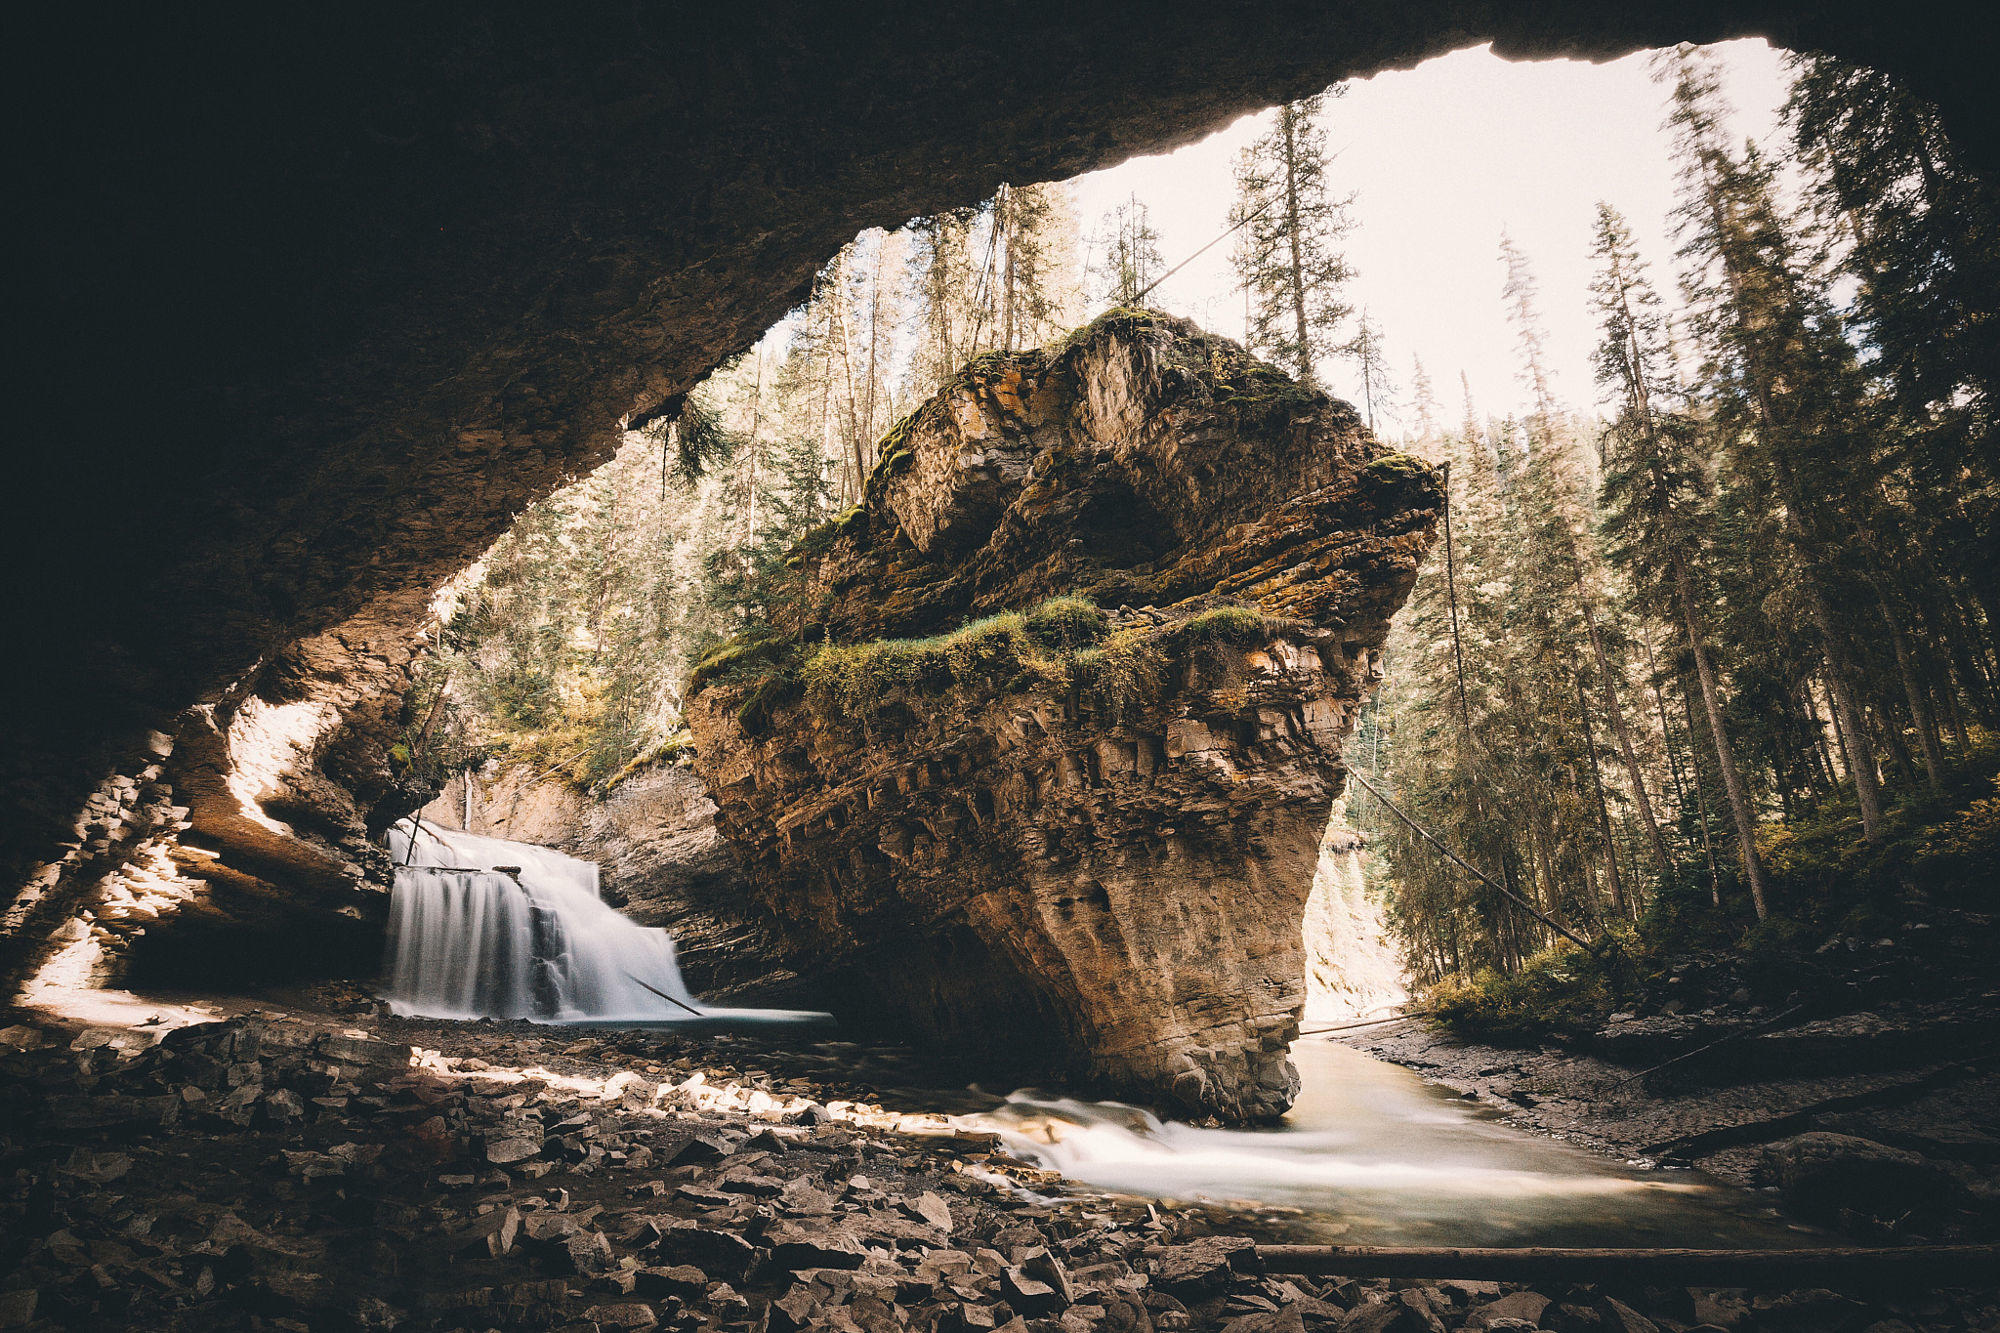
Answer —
1879 1122
308 1169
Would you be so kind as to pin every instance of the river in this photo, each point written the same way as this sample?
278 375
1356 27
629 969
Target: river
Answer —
1371 1154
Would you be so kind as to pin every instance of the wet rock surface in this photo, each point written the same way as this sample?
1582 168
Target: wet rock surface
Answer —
1088 833
313 1170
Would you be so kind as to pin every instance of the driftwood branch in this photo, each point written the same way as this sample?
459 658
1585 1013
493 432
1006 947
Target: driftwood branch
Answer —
668 998
1470 869
1913 1268
1366 1023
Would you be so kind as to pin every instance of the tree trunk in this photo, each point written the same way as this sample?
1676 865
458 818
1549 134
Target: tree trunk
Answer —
1701 798
1623 733
1913 690
1298 276
1725 760
1618 900
1003 217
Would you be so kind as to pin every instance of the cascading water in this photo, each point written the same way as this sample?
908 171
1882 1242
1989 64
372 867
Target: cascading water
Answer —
486 928
1371 1154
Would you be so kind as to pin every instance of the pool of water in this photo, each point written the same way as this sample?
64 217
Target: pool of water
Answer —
1372 1154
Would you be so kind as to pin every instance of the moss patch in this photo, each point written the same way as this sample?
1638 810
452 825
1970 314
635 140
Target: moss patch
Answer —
1397 466
1067 623
756 651
1237 625
669 750
1008 653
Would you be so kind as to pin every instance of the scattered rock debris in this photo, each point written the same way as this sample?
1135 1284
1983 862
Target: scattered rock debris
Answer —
296 1173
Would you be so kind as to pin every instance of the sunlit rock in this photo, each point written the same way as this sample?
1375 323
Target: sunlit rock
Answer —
1080 831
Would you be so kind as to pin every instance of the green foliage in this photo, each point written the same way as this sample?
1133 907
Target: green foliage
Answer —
1117 678
854 680
1067 623
1782 589
1239 625
1131 249
1962 853
1286 252
667 750
693 440
1562 989
1397 466
755 651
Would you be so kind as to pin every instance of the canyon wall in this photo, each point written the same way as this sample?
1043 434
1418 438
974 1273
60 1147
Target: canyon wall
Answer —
1082 827
1353 969
317 300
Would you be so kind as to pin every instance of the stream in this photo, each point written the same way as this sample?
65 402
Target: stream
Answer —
1371 1154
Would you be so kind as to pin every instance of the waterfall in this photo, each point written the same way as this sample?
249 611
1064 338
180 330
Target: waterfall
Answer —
1352 968
468 939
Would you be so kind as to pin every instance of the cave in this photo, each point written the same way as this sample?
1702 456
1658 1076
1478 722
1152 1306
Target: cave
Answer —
326 301
317 304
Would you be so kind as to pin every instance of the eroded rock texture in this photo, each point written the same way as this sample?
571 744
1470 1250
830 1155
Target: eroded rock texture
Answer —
1081 838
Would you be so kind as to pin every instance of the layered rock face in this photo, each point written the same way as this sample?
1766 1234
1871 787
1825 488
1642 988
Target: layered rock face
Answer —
1078 834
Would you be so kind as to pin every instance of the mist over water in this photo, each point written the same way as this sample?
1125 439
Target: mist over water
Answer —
1374 1155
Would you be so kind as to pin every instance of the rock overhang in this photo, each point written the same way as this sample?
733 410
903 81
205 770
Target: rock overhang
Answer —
339 292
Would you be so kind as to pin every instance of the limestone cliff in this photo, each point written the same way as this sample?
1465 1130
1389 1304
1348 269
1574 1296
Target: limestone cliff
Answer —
1079 828
1353 969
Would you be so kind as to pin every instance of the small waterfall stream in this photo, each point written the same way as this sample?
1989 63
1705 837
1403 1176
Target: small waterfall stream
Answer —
485 928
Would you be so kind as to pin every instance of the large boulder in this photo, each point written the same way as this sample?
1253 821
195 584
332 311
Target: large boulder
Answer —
1824 1176
1076 828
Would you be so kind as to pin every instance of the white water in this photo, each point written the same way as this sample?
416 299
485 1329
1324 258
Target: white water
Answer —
469 941
1374 1155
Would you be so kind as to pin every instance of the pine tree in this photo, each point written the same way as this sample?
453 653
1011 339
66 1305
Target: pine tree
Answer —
1131 249
1036 292
1657 493
1371 368
939 289
1781 376
1923 244
1424 402
1291 225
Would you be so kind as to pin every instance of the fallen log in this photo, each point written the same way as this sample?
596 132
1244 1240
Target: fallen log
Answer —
1912 1268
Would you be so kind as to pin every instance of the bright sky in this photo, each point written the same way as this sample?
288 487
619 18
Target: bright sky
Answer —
1446 157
